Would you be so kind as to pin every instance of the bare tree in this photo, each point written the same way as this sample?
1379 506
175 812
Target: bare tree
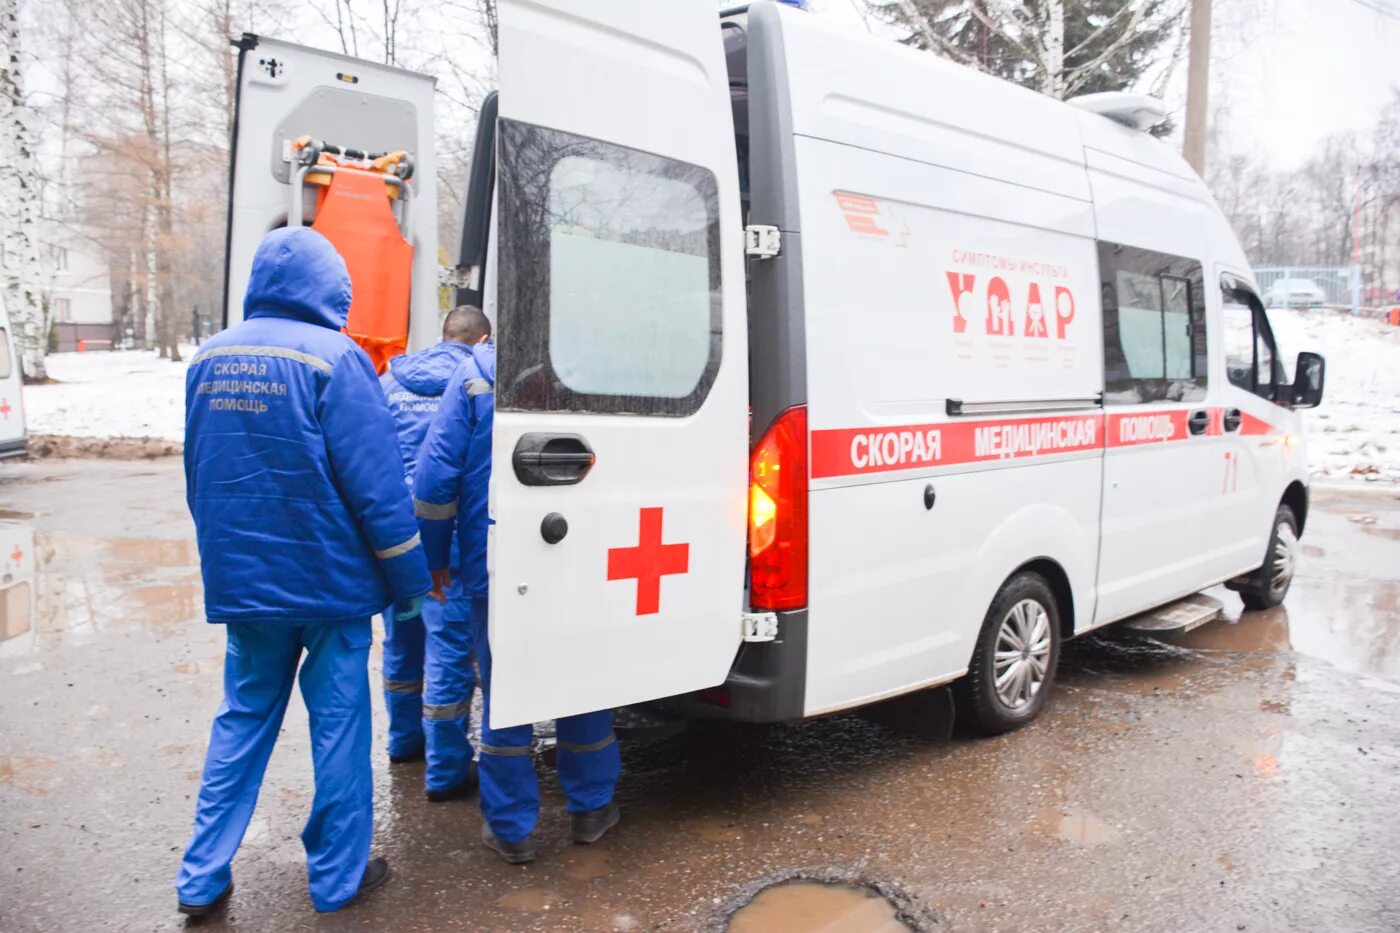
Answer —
20 202
1058 47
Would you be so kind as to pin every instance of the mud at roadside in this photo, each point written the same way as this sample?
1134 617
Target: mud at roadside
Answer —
63 447
1245 776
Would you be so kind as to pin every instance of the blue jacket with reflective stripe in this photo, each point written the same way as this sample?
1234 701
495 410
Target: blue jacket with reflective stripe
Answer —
413 387
454 471
292 472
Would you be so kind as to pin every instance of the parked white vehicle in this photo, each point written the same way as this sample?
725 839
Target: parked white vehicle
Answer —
1007 371
1295 293
13 437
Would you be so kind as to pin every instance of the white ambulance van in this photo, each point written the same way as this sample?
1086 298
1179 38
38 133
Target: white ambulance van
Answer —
14 439
828 370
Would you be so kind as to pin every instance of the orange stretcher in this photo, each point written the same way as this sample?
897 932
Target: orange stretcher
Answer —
362 206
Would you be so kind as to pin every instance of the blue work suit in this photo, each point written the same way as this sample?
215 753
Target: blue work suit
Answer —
305 530
455 461
413 387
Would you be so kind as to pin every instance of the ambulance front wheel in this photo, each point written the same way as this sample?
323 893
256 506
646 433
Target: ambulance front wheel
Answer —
1013 666
1266 587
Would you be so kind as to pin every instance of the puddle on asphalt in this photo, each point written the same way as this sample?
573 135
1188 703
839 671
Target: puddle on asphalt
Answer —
815 907
529 900
1078 826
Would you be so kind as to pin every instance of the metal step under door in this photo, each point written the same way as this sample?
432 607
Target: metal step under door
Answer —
1176 618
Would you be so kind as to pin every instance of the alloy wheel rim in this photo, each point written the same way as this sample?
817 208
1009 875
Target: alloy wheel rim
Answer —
1285 559
1021 659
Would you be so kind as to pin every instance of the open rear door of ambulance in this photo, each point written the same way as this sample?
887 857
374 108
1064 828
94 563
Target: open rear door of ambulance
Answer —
286 91
620 446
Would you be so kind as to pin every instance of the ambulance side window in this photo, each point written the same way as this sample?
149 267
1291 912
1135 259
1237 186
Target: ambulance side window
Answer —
1154 326
1251 361
609 277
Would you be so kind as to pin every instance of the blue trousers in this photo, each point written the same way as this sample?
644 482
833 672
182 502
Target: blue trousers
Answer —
260 665
589 760
403 679
447 697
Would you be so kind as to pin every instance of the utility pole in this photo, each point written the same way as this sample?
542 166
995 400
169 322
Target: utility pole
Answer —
1193 145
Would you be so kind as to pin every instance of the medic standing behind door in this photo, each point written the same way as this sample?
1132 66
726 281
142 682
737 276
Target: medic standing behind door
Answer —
440 640
454 468
305 531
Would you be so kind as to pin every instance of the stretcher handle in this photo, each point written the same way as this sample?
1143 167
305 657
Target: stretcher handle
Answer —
398 162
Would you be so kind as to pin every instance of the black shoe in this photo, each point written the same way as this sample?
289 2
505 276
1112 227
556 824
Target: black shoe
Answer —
376 873
462 791
591 825
514 853
204 910
411 757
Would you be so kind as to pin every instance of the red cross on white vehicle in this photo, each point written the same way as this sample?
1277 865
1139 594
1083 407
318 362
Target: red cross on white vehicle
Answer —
648 562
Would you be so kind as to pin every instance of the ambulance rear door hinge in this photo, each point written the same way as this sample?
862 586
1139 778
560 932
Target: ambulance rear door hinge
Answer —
762 241
759 626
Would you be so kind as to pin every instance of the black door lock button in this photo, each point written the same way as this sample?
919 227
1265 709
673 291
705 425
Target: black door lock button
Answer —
554 528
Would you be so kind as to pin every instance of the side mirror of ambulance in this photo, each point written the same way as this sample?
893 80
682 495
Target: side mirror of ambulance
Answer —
1308 379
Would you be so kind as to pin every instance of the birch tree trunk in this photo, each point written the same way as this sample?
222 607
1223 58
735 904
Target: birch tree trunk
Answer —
1053 78
19 204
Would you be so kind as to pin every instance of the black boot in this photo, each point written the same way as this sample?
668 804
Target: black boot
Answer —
461 791
376 873
592 824
411 757
204 910
514 853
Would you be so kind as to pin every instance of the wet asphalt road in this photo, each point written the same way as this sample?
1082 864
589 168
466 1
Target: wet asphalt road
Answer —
1244 777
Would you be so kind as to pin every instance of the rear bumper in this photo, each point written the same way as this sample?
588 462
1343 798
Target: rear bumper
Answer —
767 683
14 448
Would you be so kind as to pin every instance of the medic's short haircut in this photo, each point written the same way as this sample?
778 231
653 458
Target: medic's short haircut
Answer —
467 324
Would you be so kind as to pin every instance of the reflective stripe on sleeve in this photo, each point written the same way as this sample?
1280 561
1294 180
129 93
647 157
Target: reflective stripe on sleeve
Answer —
597 746
398 549
477 387
283 353
433 511
410 687
506 751
447 710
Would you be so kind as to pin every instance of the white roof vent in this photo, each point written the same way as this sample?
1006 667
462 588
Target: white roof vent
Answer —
1136 111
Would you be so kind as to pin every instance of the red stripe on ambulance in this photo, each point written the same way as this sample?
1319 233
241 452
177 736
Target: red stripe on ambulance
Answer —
1149 427
855 451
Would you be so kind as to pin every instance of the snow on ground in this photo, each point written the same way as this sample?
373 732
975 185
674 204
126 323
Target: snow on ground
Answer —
121 393
1355 433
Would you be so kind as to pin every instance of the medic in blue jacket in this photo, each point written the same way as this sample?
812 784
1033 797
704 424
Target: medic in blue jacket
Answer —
428 676
454 472
305 531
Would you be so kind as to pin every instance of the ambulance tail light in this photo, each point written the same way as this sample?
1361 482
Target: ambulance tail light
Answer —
778 514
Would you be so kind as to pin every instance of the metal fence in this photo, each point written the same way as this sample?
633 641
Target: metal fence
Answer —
1311 286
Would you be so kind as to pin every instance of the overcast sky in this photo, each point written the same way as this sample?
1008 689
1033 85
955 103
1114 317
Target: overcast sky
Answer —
1286 72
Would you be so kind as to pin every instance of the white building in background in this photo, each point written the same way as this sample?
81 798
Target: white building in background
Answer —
79 287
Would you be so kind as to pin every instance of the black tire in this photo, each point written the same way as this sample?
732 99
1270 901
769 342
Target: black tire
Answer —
981 707
1268 586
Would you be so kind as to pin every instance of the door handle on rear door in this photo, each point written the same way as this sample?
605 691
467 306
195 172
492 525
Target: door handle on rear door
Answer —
1232 419
1198 421
551 459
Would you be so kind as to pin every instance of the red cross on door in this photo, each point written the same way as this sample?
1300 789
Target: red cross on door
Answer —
5 408
648 562
16 555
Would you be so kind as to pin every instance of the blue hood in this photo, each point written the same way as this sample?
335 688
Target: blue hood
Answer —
427 371
297 274
485 356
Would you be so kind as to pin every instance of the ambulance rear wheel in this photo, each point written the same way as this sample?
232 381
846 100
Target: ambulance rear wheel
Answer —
1013 667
